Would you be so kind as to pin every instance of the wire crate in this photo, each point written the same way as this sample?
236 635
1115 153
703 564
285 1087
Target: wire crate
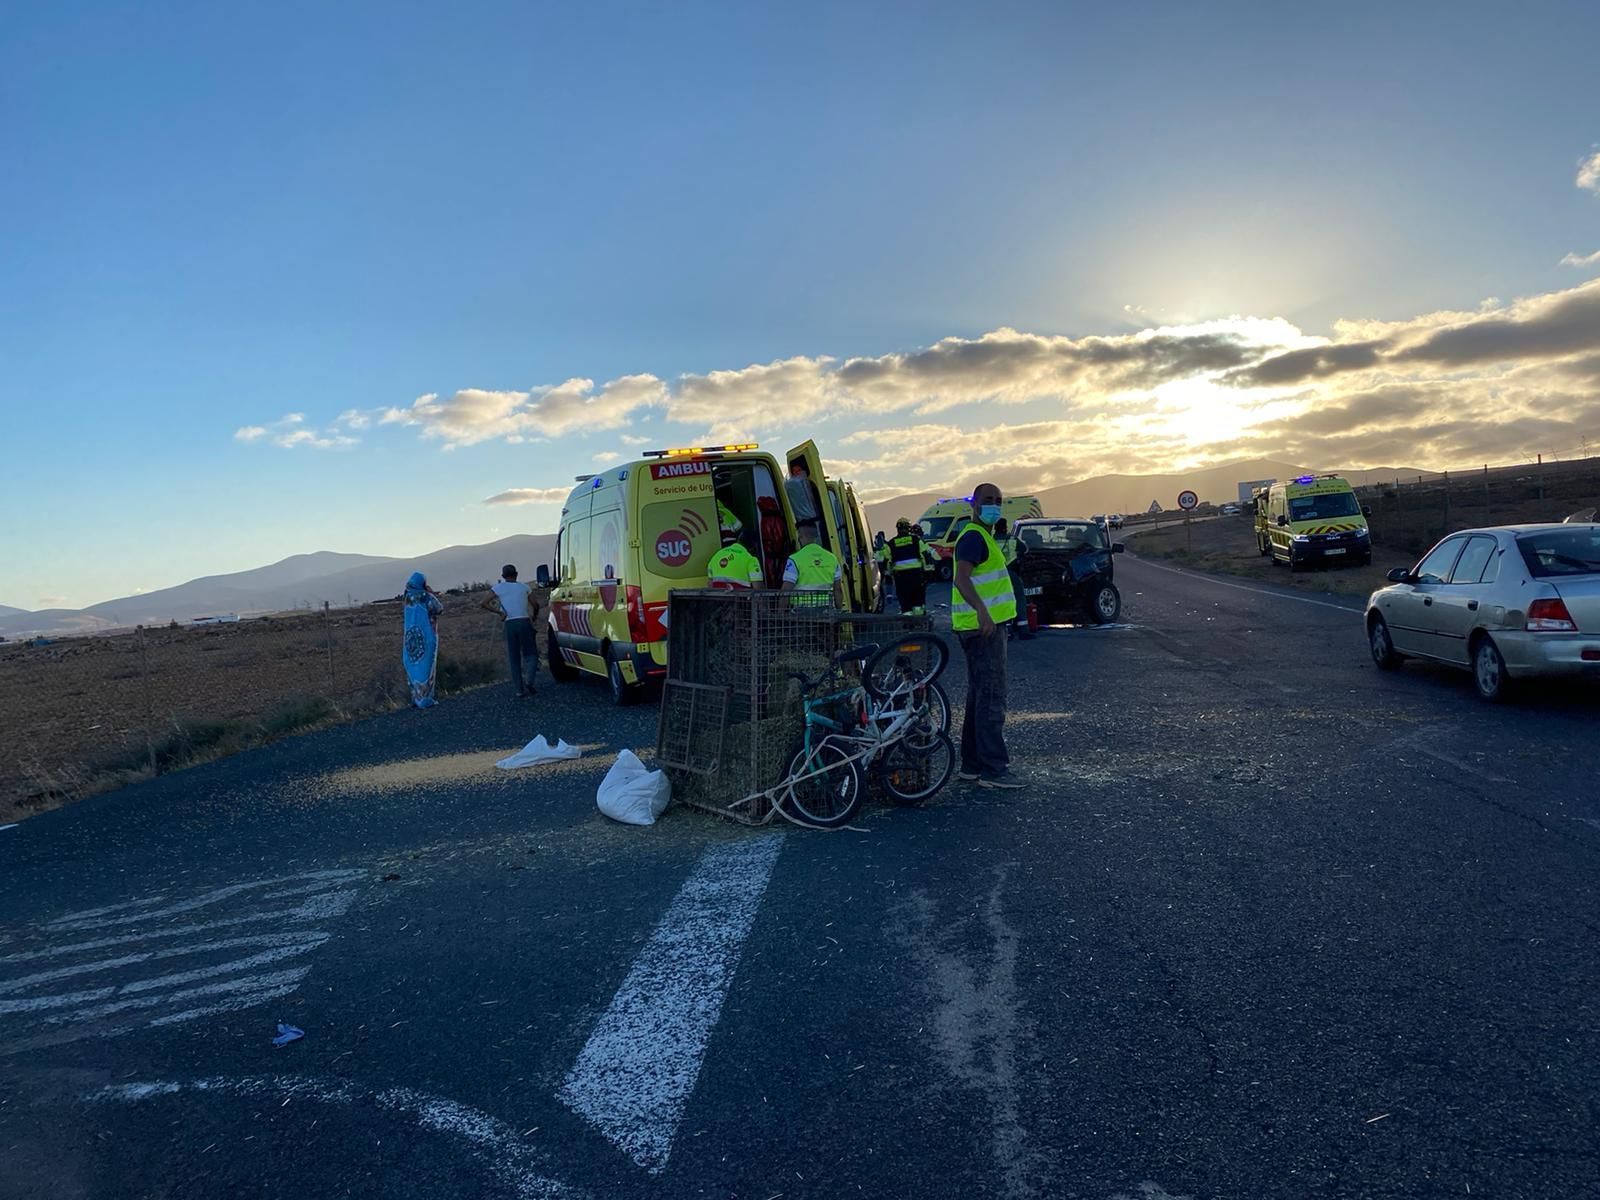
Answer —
731 717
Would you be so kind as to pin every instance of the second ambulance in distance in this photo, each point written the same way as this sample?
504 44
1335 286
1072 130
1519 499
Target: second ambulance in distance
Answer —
632 533
943 522
1312 519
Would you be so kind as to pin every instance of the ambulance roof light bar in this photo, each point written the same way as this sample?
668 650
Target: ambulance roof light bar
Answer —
680 451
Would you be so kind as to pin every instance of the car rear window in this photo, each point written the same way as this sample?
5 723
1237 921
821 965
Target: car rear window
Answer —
1557 552
1062 535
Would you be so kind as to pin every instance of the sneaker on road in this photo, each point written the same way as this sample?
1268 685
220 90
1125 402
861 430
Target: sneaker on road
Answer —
1006 781
967 776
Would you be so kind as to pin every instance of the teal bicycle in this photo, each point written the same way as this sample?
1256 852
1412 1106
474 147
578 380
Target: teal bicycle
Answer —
892 727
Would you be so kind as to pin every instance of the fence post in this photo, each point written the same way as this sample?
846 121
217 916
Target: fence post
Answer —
149 709
1445 529
1539 473
327 633
1486 520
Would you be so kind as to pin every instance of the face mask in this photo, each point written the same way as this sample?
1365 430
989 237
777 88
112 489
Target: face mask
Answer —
989 513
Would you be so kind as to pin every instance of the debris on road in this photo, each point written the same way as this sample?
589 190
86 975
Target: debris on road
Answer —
539 751
632 793
287 1034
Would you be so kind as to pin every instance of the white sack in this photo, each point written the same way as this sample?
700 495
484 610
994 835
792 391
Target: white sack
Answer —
539 751
633 794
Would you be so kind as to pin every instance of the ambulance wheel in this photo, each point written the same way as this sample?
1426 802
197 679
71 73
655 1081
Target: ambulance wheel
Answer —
1106 606
622 692
560 669
944 571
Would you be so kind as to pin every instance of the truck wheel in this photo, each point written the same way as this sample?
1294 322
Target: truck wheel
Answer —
1106 606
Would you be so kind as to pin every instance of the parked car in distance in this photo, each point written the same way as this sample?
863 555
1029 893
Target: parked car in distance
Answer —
1066 565
1114 520
1230 510
1509 603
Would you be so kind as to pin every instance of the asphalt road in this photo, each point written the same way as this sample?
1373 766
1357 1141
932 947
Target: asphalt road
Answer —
1265 923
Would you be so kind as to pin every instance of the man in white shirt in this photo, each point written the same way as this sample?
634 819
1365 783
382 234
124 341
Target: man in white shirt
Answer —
516 604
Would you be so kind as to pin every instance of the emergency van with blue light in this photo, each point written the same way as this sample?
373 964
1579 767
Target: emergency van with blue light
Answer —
631 534
943 522
1313 519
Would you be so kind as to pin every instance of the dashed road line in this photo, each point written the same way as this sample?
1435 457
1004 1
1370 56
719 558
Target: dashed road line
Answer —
1243 587
633 1078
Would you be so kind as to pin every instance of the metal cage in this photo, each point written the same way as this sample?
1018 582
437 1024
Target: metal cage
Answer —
731 716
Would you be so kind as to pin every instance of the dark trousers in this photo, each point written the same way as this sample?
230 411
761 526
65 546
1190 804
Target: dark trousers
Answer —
521 645
910 589
983 741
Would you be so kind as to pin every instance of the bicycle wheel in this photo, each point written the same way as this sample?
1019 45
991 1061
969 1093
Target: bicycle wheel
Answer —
922 734
904 665
912 776
826 787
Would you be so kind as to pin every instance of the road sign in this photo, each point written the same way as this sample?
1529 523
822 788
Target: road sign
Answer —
1187 500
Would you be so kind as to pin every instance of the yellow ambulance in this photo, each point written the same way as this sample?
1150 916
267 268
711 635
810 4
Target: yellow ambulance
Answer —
1313 519
943 521
632 533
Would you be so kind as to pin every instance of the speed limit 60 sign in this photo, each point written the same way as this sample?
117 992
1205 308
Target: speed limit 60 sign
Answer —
1187 500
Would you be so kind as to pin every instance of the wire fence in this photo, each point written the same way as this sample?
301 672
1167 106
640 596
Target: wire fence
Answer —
1415 511
84 714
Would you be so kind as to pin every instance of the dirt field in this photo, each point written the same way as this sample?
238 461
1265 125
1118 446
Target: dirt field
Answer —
85 714
1228 545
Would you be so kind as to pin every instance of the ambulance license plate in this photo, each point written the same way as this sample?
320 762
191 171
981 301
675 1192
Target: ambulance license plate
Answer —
1338 550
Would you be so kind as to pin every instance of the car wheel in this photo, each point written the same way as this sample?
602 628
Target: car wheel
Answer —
1106 606
1489 671
1382 645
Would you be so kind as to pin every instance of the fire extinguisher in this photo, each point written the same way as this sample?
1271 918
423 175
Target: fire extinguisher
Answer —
1033 615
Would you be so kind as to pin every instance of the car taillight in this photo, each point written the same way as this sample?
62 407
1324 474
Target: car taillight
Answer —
1550 616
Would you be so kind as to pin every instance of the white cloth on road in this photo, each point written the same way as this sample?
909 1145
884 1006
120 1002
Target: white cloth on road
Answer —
539 751
632 793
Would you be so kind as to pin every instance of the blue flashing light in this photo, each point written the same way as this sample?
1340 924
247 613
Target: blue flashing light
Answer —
1306 479
598 481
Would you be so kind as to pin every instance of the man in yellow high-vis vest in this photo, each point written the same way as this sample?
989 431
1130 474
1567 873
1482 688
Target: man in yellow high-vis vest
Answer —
981 602
812 568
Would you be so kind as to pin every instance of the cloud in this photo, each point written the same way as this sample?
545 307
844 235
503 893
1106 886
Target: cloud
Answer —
288 432
1581 260
552 495
1589 173
354 418
1540 327
634 439
607 457
474 415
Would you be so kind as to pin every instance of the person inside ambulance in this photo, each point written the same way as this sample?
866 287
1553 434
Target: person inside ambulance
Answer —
804 501
733 568
727 519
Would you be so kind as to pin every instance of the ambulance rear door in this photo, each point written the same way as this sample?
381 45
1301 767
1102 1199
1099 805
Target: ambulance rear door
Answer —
832 536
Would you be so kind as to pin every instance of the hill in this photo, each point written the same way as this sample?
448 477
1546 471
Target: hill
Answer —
1131 493
300 581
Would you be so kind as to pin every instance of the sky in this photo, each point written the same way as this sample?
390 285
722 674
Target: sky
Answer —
381 278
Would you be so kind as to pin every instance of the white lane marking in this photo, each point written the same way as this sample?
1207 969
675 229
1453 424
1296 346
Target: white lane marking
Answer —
13 825
509 1157
87 921
633 1078
317 908
248 1000
1344 608
24 982
145 973
249 984
67 999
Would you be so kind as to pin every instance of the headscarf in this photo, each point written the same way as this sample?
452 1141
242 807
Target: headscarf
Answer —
416 586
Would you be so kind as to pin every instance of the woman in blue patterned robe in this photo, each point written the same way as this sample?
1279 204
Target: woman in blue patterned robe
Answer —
420 647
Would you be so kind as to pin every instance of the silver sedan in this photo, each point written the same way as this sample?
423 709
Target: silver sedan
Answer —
1508 603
